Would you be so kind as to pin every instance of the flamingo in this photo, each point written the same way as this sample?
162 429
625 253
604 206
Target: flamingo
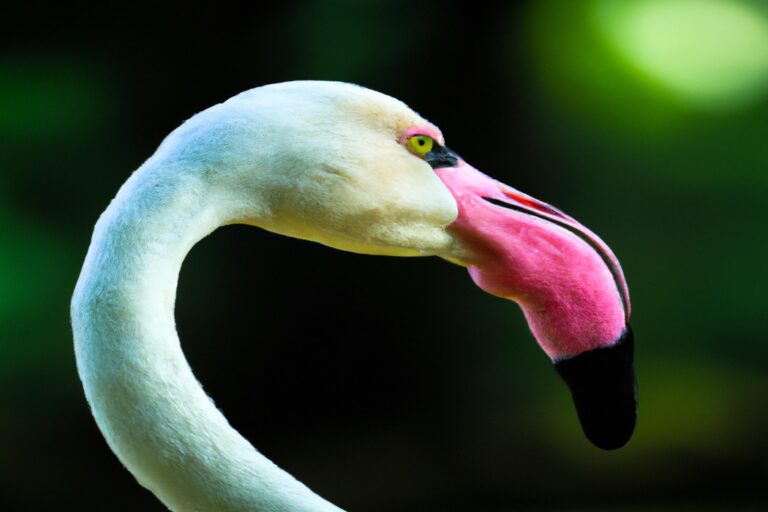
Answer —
355 170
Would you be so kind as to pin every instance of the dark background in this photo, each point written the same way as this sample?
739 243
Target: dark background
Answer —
389 383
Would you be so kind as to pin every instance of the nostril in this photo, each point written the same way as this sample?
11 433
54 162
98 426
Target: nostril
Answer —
536 205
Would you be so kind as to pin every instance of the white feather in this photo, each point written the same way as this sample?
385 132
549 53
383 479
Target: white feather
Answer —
316 160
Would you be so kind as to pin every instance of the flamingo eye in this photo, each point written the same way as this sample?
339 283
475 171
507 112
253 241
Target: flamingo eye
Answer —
420 144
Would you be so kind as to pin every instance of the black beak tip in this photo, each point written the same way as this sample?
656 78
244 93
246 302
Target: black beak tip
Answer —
602 382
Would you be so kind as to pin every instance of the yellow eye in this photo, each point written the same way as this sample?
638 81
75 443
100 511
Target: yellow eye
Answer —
420 144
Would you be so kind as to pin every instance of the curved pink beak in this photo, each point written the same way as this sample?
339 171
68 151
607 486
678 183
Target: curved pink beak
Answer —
568 283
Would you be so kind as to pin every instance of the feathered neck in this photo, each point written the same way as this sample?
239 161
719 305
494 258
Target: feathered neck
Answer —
152 411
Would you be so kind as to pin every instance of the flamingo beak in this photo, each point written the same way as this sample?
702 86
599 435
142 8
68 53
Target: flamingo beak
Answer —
604 390
568 283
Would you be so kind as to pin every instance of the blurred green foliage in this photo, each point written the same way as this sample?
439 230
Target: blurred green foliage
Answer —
710 53
445 403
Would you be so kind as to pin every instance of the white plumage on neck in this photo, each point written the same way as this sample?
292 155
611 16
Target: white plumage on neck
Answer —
153 412
320 161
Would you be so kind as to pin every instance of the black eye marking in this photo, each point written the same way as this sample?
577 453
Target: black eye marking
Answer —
441 156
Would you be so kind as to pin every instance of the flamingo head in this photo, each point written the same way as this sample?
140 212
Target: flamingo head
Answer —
358 170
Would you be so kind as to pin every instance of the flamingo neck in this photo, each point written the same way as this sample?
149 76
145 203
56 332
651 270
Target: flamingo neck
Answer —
152 411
